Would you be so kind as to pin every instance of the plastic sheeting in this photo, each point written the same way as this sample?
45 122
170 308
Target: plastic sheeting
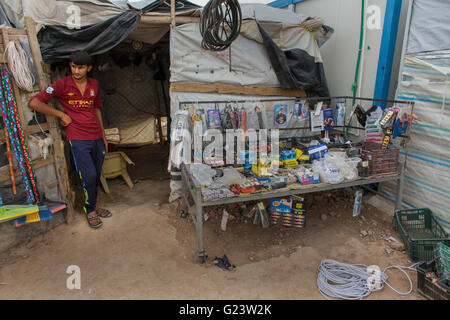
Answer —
427 169
249 62
296 69
430 27
57 42
4 18
64 13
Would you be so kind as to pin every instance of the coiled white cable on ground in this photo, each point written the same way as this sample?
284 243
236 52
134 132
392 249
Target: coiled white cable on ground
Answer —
18 65
354 281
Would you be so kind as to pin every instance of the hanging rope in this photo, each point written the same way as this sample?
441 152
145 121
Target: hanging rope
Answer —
17 141
8 151
13 109
18 65
220 24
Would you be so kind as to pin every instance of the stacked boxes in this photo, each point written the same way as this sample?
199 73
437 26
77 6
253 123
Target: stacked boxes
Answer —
213 194
373 131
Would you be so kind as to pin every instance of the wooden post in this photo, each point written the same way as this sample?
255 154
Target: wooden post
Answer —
58 145
172 12
158 105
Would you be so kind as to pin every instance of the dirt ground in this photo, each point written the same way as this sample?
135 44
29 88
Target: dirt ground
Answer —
146 251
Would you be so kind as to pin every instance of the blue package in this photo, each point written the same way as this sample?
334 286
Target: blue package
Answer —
281 205
328 119
304 110
400 127
288 155
317 152
214 119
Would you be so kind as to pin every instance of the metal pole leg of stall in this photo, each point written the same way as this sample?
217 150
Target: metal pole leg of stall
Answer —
201 253
400 184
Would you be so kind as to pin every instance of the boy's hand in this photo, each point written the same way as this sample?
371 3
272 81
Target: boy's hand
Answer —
106 144
65 119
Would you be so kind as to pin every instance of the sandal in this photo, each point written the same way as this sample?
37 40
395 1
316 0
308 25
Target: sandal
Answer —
93 220
103 213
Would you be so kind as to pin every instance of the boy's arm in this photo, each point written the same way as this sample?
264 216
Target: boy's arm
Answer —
41 100
44 108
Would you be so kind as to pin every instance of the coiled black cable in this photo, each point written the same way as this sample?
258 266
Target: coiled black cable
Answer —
220 24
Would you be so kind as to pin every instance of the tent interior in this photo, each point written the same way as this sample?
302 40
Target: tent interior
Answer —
134 86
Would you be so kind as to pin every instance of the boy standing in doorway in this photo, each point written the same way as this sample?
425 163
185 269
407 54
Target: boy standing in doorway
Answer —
79 96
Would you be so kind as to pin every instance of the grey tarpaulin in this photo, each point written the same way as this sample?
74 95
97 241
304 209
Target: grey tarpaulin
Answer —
164 6
57 42
4 19
296 69
429 27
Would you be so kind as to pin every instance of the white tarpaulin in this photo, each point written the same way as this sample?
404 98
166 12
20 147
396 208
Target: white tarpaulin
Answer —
247 58
429 27
427 170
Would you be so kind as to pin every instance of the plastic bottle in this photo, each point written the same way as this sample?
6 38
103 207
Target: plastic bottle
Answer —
357 203
340 121
339 139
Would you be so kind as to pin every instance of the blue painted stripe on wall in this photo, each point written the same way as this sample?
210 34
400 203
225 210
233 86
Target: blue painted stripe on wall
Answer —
426 160
387 49
283 3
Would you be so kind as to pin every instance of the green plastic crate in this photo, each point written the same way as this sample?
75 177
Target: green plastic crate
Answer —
420 232
442 258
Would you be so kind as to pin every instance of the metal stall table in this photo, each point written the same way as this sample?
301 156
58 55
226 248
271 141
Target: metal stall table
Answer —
189 187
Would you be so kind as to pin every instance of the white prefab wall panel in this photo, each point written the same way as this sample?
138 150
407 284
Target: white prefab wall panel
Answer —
340 52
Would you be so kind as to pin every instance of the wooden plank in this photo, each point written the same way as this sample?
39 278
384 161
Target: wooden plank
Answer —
154 20
16 32
158 105
58 145
35 128
234 89
4 171
172 12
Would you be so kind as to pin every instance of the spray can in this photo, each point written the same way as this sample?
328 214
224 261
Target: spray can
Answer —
357 203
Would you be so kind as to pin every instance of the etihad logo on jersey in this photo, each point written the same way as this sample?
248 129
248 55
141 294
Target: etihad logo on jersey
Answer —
81 103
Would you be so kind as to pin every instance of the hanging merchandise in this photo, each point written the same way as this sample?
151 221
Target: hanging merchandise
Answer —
16 129
296 110
280 116
340 121
18 65
178 134
8 151
387 124
214 119
261 122
304 111
328 119
10 125
230 118
220 23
